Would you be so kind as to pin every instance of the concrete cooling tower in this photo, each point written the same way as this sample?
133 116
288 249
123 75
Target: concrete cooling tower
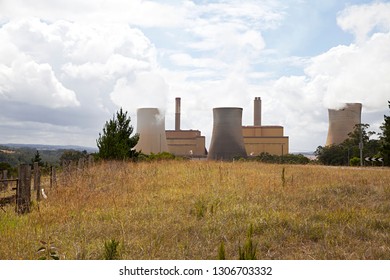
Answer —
227 141
342 122
151 129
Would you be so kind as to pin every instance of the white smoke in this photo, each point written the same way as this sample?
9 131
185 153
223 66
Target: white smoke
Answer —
145 89
358 72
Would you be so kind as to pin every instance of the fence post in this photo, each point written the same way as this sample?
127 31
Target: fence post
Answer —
23 190
5 176
53 177
4 185
90 161
80 165
37 180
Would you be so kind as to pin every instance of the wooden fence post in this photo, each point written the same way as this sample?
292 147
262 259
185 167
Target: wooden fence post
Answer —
53 176
37 180
23 190
90 161
4 185
80 165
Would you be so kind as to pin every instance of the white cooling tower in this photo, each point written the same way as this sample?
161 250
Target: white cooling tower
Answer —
151 129
342 122
227 140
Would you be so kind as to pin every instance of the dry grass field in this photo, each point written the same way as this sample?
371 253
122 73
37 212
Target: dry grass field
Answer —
186 209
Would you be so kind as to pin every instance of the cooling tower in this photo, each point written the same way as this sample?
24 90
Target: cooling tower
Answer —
227 141
151 129
257 111
342 122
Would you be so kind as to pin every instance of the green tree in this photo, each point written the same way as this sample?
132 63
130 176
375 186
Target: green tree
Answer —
332 155
73 155
37 158
370 146
116 141
342 154
385 139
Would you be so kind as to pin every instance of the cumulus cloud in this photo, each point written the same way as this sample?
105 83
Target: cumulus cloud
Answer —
362 20
61 73
25 75
29 82
136 12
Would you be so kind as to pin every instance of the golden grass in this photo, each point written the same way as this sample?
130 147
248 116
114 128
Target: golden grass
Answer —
185 209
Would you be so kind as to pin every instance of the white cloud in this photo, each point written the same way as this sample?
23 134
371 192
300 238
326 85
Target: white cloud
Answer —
29 82
362 20
135 12
186 60
61 74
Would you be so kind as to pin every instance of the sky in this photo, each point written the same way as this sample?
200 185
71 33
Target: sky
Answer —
66 67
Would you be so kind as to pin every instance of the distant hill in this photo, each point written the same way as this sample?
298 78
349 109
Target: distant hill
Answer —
15 154
42 147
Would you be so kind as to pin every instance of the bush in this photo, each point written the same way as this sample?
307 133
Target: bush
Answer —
289 158
355 161
158 157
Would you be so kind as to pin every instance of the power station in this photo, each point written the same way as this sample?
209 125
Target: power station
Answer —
229 139
342 122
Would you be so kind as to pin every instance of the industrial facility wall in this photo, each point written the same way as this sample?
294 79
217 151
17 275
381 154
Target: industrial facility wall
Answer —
261 131
187 147
272 145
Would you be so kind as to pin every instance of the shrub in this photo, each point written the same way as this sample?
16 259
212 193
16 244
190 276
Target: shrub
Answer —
355 161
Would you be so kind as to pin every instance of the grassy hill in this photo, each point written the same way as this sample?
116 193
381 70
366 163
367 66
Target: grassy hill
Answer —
187 209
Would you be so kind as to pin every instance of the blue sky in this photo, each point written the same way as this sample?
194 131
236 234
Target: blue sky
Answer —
67 66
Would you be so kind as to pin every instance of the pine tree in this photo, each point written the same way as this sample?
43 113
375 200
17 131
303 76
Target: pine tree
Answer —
37 158
116 141
385 138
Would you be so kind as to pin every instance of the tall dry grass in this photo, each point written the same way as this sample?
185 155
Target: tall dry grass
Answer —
186 210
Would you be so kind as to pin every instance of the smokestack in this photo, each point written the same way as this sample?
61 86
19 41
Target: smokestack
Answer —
177 114
227 141
257 111
151 129
342 122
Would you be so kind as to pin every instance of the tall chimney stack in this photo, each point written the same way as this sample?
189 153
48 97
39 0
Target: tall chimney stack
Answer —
257 112
177 114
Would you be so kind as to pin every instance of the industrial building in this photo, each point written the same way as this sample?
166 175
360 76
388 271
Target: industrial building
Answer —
229 138
342 122
264 138
185 142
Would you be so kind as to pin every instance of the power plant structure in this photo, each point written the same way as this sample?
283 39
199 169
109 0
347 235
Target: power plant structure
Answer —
151 129
342 122
185 142
227 141
264 138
